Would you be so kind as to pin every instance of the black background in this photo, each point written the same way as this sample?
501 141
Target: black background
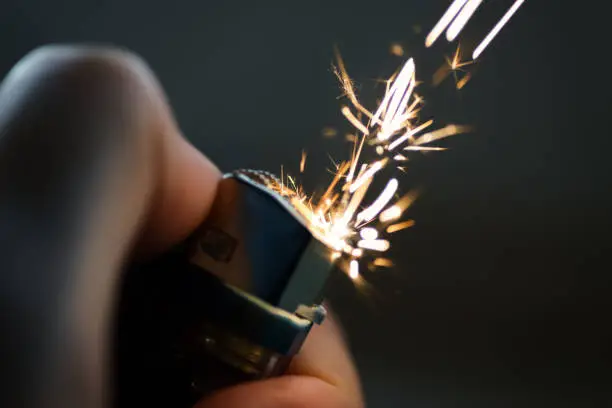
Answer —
501 292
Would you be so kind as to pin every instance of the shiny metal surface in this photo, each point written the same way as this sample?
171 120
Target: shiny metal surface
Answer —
255 241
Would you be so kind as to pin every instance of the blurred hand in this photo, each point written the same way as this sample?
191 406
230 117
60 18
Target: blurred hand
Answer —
93 126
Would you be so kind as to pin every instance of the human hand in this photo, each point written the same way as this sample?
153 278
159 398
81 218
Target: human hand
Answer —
94 172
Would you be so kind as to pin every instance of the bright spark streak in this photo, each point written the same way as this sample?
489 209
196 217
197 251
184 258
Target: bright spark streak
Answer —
425 148
369 233
368 174
399 157
500 24
355 201
466 13
408 135
303 161
446 19
399 226
372 211
346 111
395 101
446 131
354 269
380 245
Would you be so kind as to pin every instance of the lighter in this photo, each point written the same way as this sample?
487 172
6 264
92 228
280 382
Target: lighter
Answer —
233 303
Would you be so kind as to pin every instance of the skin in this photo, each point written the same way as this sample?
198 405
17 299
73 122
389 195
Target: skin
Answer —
154 190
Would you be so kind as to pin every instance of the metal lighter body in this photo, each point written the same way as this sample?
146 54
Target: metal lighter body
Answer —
233 303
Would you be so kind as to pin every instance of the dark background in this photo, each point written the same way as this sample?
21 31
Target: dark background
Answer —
501 293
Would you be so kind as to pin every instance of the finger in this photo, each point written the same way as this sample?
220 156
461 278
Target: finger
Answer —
321 375
282 392
325 355
90 157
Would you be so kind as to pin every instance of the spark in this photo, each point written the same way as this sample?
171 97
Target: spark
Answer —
397 49
338 217
303 161
354 161
399 226
463 81
446 19
346 111
329 132
397 209
368 174
383 262
446 131
369 233
408 135
395 101
456 62
379 245
425 148
372 211
464 15
500 24
354 269
391 213
347 84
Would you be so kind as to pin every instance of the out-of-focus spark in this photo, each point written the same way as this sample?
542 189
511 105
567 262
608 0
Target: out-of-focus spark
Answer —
368 174
357 252
399 226
346 111
303 161
391 213
446 19
369 233
387 194
446 131
383 262
354 269
329 132
440 75
380 245
464 15
335 255
355 201
396 210
500 24
463 81
400 157
408 135
397 49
